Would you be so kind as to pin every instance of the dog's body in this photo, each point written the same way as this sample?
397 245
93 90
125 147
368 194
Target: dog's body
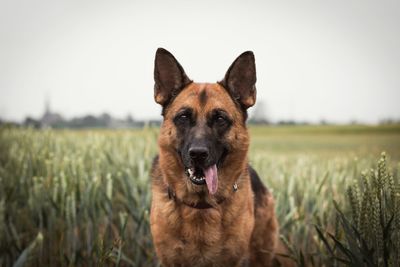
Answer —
209 207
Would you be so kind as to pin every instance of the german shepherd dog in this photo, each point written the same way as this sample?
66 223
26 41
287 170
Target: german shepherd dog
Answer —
209 207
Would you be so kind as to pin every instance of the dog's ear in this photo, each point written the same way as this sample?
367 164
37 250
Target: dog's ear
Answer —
169 77
240 80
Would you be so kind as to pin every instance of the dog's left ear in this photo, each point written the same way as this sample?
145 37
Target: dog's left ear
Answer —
169 77
240 80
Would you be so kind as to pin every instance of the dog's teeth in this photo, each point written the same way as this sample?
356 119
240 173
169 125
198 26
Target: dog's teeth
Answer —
190 172
198 179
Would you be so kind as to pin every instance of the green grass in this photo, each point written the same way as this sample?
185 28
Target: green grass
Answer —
327 140
81 198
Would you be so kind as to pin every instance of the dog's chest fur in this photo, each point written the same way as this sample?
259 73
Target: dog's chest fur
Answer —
185 236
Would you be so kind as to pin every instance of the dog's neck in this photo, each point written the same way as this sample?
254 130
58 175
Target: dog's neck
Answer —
200 204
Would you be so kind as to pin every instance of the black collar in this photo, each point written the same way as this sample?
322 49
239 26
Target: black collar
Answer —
199 205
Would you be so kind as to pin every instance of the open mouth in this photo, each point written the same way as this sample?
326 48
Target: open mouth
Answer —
201 176
196 176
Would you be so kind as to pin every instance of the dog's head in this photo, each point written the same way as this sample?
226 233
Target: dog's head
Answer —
203 135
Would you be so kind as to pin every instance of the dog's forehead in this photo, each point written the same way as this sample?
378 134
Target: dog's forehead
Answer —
202 96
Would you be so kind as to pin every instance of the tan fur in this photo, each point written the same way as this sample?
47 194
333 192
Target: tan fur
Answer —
231 234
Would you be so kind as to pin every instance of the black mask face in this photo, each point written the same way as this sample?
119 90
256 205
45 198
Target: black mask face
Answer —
201 140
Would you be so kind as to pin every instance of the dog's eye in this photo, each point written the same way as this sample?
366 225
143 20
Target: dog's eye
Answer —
183 118
220 119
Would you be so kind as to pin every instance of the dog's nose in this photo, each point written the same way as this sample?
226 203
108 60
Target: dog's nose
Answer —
198 153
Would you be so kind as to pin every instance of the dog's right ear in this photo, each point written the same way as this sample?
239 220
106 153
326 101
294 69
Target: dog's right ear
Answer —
169 77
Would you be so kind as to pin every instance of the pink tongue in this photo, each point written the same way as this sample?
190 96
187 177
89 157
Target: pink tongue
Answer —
211 179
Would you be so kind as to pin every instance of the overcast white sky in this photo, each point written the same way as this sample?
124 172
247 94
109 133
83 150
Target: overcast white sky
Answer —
337 60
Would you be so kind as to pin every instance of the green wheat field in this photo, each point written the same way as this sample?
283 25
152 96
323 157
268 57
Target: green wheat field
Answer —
82 197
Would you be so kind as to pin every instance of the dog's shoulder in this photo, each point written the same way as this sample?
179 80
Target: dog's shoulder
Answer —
265 232
259 189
